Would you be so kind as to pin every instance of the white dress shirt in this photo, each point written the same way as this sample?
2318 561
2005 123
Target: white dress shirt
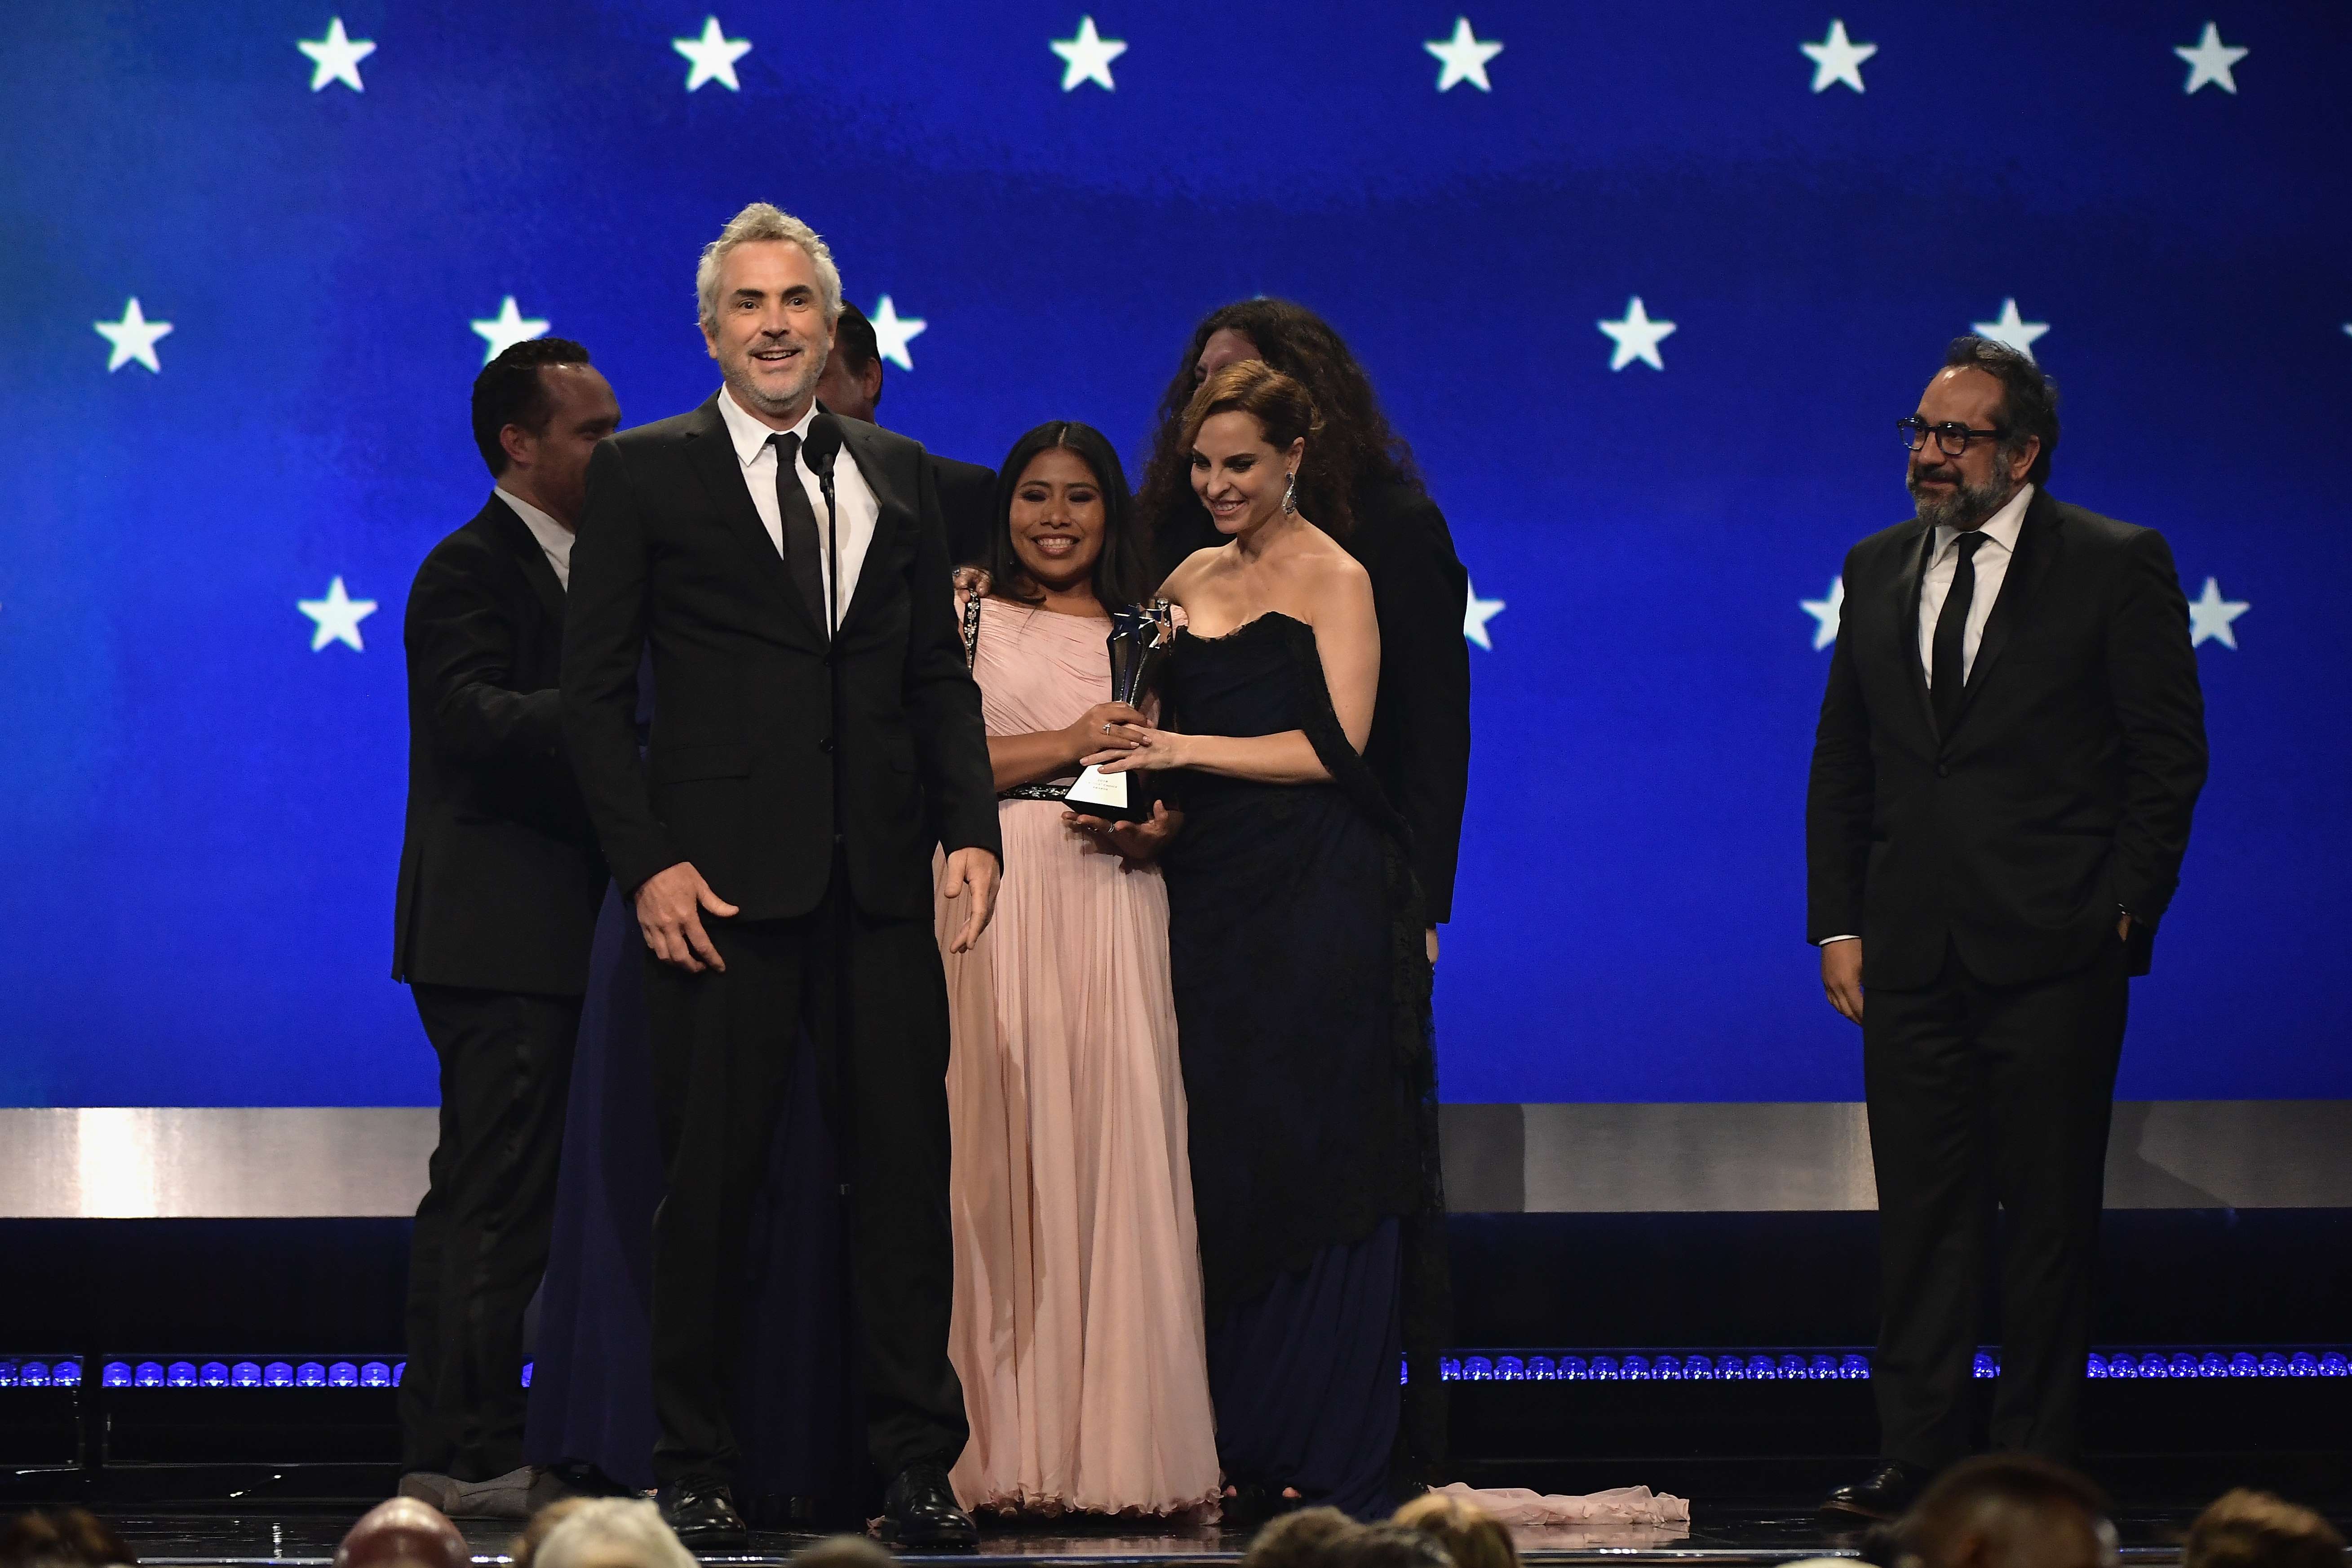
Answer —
552 536
855 508
1991 562
1993 558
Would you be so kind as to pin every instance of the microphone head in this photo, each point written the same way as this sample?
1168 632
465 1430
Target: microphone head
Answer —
823 443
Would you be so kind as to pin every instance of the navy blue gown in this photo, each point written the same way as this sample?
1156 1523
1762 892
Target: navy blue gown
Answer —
1302 1003
592 1382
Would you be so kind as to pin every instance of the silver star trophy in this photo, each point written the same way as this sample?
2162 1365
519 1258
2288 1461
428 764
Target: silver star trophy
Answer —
1140 640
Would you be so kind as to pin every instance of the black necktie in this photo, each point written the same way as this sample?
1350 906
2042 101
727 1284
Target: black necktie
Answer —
801 551
1947 672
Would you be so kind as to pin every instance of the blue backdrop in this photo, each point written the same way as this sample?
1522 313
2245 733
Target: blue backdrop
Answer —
201 785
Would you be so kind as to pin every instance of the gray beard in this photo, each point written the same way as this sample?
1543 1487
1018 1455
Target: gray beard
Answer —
760 401
1966 506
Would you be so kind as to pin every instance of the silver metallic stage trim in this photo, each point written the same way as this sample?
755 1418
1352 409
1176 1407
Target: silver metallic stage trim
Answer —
166 1162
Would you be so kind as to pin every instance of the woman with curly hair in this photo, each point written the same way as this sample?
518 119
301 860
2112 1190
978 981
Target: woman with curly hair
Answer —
1360 484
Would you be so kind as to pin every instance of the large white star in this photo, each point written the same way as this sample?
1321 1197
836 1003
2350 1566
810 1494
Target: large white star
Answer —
1825 612
2210 615
337 617
1475 617
714 56
2018 334
893 331
1837 58
1086 57
336 56
1637 336
133 338
1465 58
507 328
2209 60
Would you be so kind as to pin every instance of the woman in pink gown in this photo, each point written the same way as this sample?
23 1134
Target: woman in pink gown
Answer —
1077 1327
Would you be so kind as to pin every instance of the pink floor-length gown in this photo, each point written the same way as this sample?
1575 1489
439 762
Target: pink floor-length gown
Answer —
1077 1327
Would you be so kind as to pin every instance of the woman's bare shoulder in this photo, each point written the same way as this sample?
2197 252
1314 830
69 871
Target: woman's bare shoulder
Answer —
1190 572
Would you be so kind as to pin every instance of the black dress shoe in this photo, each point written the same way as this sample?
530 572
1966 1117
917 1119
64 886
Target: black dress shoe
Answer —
920 1513
1885 1493
703 1514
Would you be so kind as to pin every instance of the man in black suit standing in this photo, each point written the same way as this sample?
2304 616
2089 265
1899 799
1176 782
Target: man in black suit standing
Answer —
499 883
2008 756
815 738
851 386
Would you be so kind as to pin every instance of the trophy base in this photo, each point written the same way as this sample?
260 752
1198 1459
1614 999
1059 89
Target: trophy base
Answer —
1111 795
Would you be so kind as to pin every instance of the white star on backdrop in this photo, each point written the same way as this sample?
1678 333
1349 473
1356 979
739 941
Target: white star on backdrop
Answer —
2210 615
893 331
713 56
337 617
2017 334
1086 57
2209 60
1463 57
507 328
1637 336
1475 617
133 338
1825 612
1837 58
336 56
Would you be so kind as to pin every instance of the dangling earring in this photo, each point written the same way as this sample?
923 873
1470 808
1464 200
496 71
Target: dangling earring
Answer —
1290 495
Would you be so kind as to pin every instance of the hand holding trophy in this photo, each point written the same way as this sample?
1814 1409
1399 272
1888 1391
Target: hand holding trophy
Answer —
1140 640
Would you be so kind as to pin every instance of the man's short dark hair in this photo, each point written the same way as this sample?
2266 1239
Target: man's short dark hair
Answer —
854 341
1936 1528
2029 398
510 391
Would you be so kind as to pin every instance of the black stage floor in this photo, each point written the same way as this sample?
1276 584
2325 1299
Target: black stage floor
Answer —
1716 1535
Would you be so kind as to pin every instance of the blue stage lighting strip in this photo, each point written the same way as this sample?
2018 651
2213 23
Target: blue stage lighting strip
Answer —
1822 1367
1468 1366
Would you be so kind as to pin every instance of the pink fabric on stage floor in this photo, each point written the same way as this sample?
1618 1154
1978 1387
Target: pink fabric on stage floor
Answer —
1077 1327
1624 1505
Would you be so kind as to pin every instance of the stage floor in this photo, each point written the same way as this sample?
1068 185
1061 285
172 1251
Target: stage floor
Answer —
1715 1536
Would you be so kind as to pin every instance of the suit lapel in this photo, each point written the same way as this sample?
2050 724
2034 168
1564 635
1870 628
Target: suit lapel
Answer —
524 546
1907 620
894 510
712 454
2037 547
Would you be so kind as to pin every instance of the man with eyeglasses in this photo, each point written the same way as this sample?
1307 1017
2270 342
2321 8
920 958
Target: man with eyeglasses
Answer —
2008 756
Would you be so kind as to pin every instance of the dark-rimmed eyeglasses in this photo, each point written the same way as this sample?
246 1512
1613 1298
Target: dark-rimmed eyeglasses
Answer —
1952 437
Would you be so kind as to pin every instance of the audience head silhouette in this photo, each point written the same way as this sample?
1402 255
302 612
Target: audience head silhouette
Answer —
2255 1529
613 1532
404 1533
72 1538
1471 1536
1296 1540
2010 1511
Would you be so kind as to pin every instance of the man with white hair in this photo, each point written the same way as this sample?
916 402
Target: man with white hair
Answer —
815 738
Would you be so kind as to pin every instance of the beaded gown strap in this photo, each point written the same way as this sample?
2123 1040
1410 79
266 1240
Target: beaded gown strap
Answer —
971 628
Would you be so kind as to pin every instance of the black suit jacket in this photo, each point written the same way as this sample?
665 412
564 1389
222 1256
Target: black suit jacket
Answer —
2063 792
967 504
766 746
500 877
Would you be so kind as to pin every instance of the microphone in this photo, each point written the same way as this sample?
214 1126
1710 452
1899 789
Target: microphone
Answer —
822 446
818 450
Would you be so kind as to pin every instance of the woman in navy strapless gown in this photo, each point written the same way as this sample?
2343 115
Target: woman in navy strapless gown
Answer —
1301 980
